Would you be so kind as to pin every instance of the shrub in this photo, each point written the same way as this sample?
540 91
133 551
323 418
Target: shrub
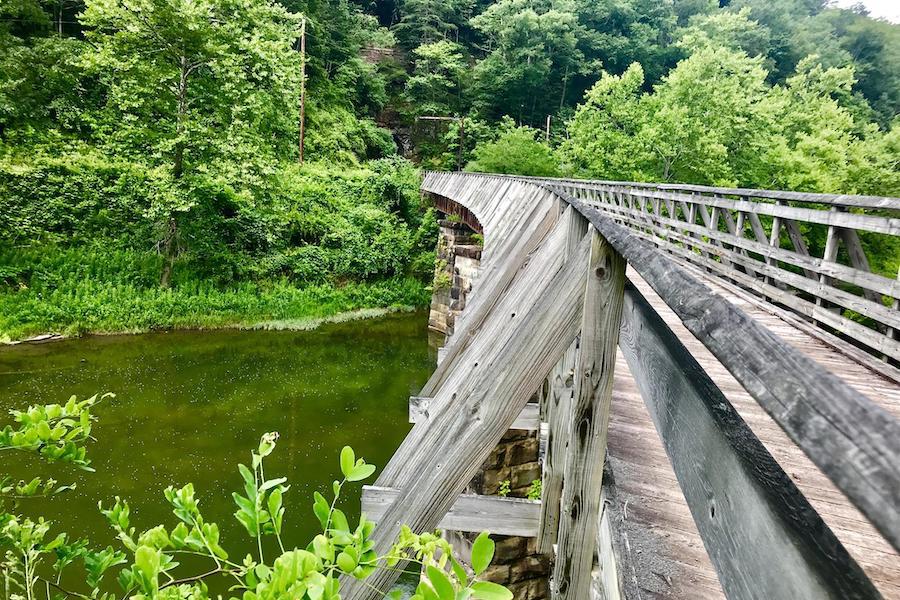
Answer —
35 560
517 152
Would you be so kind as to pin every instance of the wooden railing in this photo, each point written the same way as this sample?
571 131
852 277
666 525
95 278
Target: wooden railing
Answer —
758 239
553 301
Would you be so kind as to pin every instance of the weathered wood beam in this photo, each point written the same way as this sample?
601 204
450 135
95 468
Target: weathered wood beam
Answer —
811 265
439 458
559 412
864 306
528 420
875 224
762 535
499 276
855 442
858 258
870 202
583 479
470 512
559 406
820 314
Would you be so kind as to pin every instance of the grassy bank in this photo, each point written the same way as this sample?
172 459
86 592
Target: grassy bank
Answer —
82 250
96 307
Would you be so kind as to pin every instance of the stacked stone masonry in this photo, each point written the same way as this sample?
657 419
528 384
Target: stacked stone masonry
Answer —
457 264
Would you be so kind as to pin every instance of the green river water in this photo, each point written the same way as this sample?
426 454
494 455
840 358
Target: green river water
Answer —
190 406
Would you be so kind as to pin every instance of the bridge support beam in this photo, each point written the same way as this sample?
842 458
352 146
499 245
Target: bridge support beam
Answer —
583 476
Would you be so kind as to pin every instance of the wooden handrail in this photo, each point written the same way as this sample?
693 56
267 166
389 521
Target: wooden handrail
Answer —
845 200
537 295
854 441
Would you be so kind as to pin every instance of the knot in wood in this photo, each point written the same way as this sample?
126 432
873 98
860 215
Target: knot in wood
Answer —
600 272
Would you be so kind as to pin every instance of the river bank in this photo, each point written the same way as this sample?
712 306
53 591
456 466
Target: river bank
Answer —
112 310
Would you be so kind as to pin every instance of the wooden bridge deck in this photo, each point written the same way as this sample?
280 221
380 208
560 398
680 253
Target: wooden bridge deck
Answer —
786 448
666 549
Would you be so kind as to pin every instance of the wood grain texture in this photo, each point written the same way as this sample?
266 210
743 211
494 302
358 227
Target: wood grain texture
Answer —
581 494
528 420
646 483
652 518
818 311
820 289
439 458
559 412
762 535
854 201
875 224
470 512
799 258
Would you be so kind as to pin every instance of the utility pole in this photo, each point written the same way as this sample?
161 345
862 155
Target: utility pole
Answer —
302 85
547 134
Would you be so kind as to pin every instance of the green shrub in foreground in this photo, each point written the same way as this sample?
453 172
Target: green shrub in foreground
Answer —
147 564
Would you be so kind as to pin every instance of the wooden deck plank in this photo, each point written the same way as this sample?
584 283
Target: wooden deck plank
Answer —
877 558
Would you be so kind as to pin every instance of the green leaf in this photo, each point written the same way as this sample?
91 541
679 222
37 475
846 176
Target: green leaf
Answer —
348 460
275 509
321 508
440 582
346 562
324 548
339 521
482 553
272 483
360 472
485 590
459 571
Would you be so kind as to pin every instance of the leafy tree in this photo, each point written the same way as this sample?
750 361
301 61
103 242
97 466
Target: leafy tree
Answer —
529 50
206 91
704 121
715 120
435 84
429 21
604 134
784 20
621 32
872 47
725 29
515 151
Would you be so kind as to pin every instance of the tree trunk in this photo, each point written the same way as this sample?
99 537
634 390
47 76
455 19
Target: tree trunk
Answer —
170 241
170 251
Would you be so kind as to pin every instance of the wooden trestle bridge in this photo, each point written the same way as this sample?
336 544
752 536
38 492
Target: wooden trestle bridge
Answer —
741 392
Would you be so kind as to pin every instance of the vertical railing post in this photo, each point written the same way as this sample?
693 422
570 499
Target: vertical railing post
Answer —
830 255
559 411
774 242
583 478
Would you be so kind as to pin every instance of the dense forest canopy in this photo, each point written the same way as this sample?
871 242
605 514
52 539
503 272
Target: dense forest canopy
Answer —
153 144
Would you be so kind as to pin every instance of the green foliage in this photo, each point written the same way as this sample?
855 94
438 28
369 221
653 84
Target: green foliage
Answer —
516 151
535 490
504 489
715 120
34 559
57 432
434 88
79 254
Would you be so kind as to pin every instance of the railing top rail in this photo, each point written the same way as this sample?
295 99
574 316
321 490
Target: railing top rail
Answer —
841 200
